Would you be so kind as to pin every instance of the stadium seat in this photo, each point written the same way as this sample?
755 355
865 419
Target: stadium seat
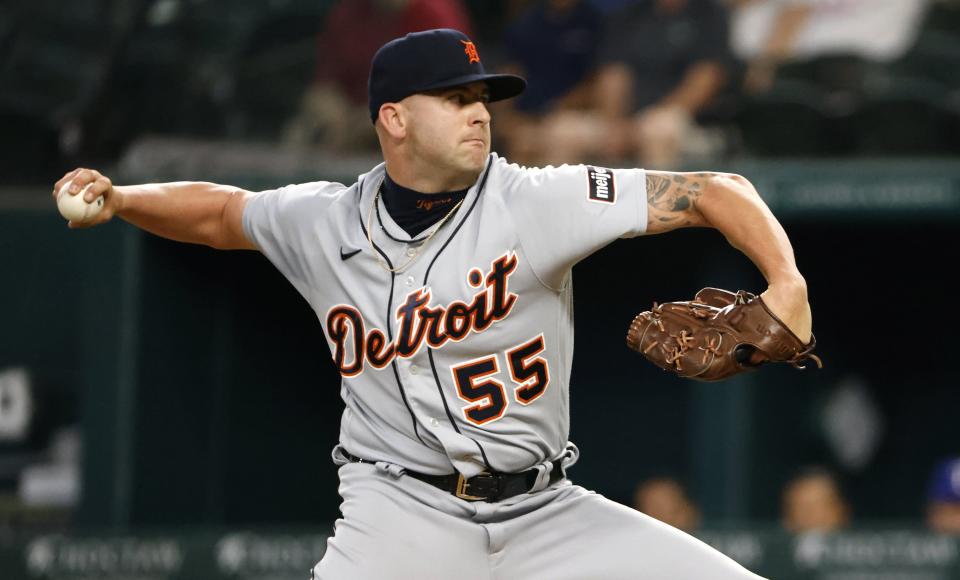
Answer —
902 116
276 65
54 63
794 118
50 67
832 73
935 56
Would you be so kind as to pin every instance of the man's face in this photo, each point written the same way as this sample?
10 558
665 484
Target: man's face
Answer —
813 504
450 128
664 500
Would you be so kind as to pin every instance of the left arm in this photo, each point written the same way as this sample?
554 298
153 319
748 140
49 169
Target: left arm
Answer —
730 204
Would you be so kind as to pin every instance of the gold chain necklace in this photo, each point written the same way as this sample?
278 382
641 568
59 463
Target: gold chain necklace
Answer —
416 252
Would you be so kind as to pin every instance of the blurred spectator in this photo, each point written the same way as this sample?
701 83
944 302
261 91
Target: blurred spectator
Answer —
813 502
663 62
769 33
334 111
663 498
554 45
943 498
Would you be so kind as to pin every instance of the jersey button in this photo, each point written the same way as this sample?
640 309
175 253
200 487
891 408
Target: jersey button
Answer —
410 280
414 369
411 252
434 423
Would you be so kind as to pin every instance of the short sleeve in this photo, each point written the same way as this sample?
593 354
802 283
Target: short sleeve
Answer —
564 214
284 224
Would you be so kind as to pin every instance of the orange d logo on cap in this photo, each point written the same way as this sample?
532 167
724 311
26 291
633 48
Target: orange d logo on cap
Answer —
470 50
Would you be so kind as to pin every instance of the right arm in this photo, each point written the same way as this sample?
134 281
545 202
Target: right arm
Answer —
193 212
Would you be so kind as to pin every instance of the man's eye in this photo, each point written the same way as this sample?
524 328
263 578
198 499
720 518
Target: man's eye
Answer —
463 98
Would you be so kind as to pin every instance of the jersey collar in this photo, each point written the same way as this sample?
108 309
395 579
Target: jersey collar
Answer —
369 183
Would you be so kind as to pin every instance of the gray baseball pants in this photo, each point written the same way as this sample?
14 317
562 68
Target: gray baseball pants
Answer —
399 528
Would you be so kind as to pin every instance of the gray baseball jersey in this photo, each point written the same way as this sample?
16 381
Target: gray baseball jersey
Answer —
463 358
461 361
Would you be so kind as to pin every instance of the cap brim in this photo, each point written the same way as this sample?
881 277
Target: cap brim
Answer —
501 86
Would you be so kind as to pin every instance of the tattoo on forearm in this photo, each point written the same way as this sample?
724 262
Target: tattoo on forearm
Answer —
672 198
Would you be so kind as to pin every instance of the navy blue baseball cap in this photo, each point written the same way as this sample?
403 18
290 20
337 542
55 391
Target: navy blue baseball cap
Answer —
429 60
945 482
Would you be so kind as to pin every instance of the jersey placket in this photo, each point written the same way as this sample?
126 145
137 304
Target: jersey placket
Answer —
424 383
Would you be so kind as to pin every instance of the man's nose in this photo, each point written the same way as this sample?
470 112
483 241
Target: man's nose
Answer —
479 113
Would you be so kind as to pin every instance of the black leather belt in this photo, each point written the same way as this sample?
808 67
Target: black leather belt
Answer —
490 487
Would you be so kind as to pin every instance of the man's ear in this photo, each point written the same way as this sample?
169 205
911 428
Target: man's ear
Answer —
393 120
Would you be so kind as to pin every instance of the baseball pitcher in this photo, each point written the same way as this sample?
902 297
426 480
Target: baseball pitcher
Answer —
442 280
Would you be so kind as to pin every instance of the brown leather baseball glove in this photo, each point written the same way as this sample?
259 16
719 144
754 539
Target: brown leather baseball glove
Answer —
716 335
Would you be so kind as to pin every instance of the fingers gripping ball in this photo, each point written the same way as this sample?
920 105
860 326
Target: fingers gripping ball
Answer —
716 335
74 207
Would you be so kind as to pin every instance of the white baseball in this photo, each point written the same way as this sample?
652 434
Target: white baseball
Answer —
74 207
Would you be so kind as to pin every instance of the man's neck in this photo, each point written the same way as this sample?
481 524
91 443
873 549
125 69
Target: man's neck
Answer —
405 176
414 211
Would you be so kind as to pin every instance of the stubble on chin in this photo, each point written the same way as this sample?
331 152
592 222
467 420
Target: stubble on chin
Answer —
477 162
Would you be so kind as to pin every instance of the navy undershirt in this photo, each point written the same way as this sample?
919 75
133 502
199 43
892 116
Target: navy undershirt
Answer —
414 211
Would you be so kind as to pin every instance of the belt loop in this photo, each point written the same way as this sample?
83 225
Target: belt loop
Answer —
391 469
340 456
542 481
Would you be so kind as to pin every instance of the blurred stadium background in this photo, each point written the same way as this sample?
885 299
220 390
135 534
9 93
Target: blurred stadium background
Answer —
167 411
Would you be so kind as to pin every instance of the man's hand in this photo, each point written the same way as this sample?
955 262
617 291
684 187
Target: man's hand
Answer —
102 186
788 302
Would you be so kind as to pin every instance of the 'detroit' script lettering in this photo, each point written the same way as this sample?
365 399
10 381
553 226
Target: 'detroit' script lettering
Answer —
418 322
